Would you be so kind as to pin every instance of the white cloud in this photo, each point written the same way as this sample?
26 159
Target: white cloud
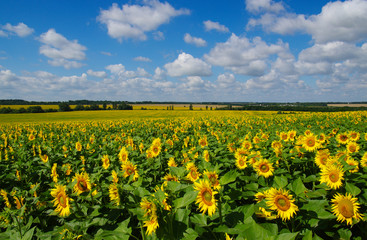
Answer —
116 69
210 25
21 30
338 21
226 80
186 64
243 56
106 53
256 6
133 21
159 74
142 59
61 51
99 74
199 42
158 35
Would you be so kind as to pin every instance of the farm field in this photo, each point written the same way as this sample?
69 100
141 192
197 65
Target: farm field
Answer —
183 175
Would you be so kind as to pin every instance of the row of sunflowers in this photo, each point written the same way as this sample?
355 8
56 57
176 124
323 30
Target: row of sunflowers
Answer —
292 176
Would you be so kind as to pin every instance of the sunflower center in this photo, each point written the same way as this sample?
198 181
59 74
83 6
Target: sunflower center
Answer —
212 180
264 167
352 148
194 174
344 138
323 160
310 142
346 208
207 197
129 171
282 203
334 177
62 199
241 162
82 185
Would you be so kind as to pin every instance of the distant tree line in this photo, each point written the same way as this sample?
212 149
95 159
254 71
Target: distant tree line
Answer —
65 107
293 108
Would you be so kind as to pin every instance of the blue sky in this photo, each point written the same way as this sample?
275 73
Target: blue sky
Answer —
184 50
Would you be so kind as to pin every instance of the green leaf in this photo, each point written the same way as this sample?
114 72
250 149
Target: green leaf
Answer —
280 182
188 198
344 233
352 189
298 186
190 234
228 177
307 235
29 234
287 236
160 195
199 219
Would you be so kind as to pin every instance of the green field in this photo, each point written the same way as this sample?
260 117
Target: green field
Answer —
116 115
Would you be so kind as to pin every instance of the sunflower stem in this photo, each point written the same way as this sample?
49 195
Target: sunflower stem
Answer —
142 230
220 210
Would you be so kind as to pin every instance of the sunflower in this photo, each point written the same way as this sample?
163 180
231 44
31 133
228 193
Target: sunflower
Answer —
213 179
78 146
241 162
169 177
193 175
332 175
264 168
322 157
114 194
115 178
276 145
352 147
246 145
44 158
130 169
284 136
241 152
310 143
123 155
149 208
342 138
31 137
105 161
61 200
171 162
321 138
291 135
354 136
203 142
54 174
281 201
5 196
205 198
364 160
151 225
345 207
18 202
206 155
254 157
352 162
82 183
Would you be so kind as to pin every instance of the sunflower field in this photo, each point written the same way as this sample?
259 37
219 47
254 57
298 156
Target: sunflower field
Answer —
286 176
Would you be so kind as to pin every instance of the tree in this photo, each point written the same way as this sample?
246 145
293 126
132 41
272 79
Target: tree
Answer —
190 107
64 107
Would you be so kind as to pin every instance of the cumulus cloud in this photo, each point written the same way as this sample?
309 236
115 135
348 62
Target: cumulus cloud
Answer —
210 25
99 74
243 56
256 6
199 42
338 21
142 59
186 64
62 51
21 30
133 21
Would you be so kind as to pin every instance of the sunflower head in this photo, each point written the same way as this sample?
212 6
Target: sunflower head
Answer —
213 179
82 183
264 168
332 175
61 200
114 194
205 197
310 143
130 169
282 202
345 207
105 161
123 155
193 174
